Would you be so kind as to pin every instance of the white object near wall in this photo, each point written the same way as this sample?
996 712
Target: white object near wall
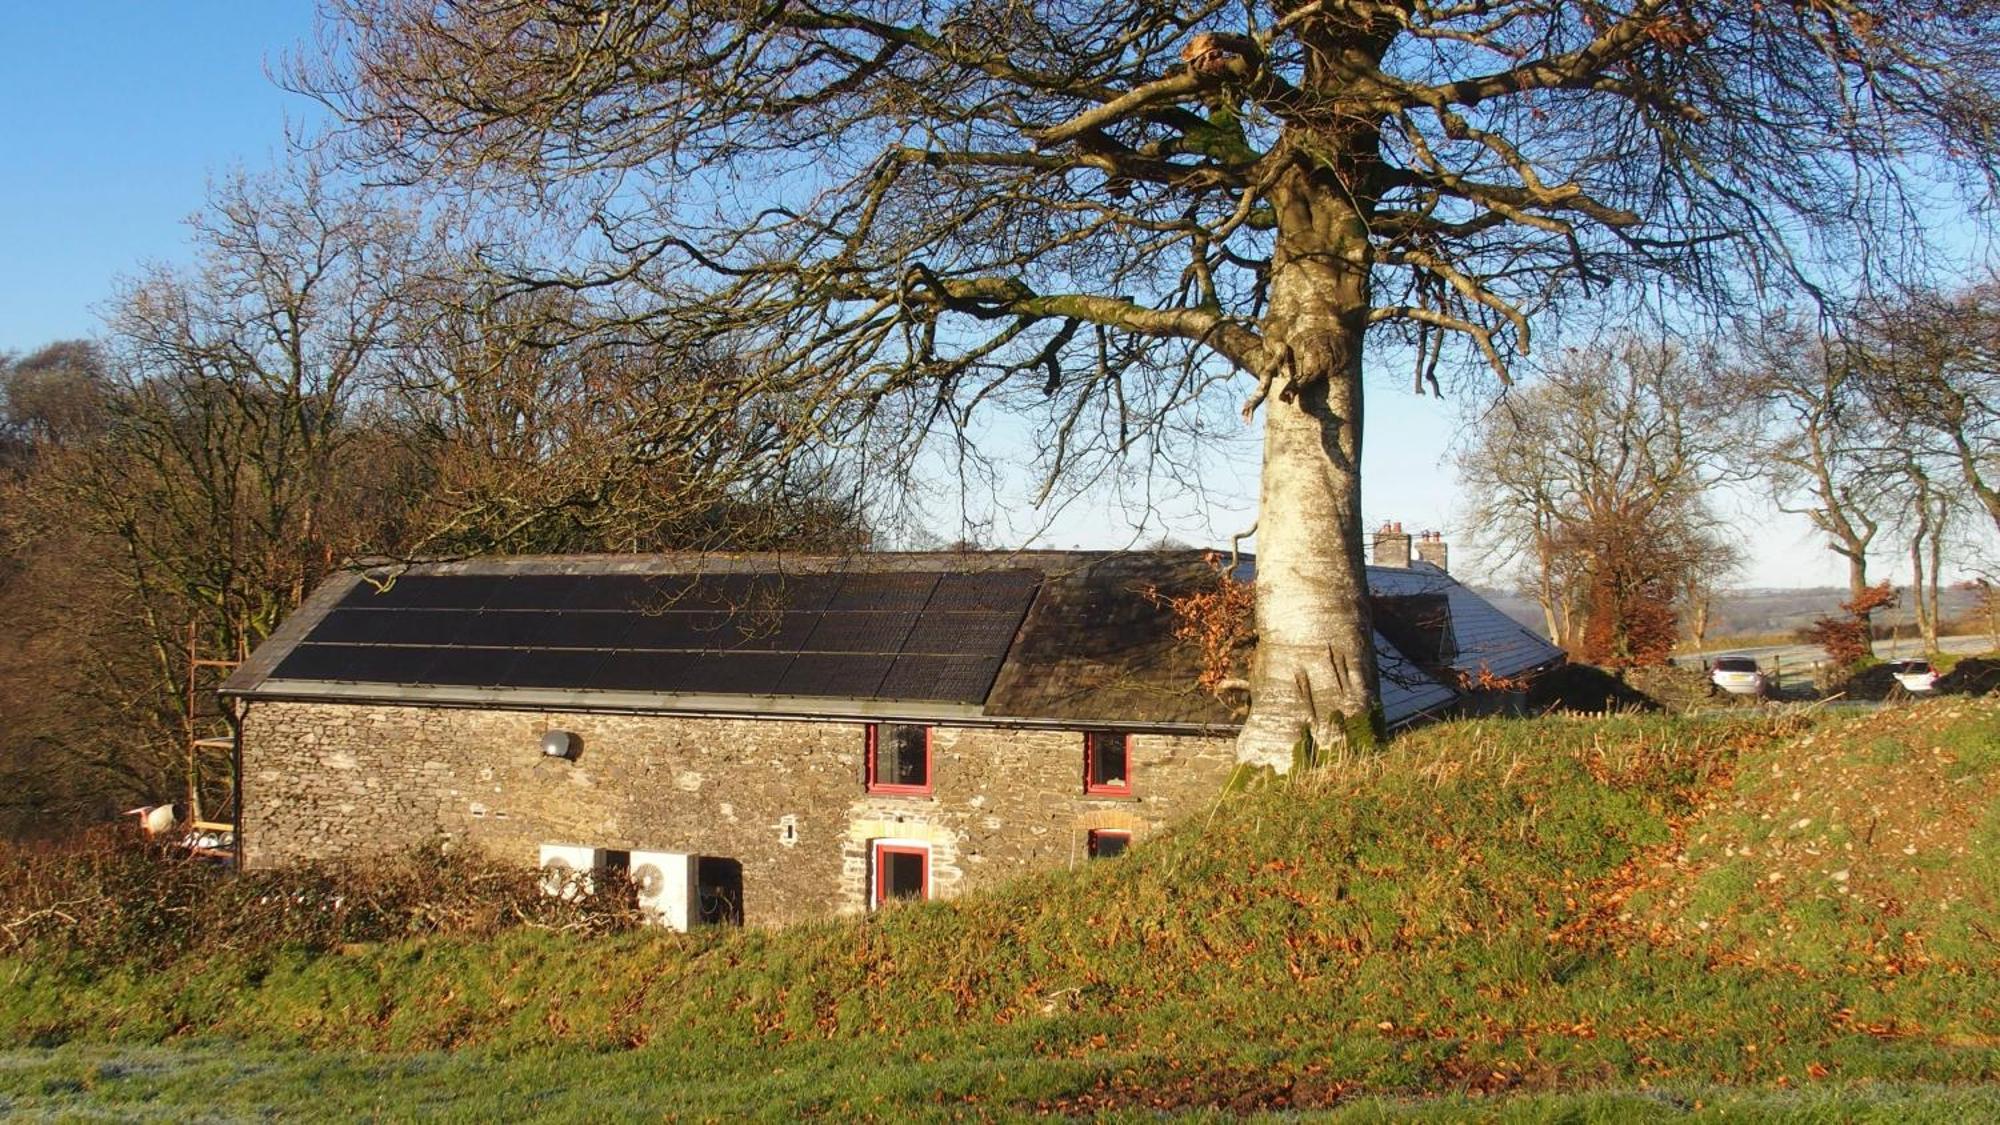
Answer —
569 870
667 888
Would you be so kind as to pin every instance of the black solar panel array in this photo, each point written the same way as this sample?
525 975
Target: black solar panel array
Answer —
898 635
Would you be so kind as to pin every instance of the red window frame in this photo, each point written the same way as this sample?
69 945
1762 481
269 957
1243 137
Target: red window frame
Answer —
1096 834
880 886
1124 789
868 769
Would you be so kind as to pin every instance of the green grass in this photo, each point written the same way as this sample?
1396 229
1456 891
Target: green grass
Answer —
1497 920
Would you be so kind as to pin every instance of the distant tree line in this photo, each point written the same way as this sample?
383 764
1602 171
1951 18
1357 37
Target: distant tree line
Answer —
327 382
1880 425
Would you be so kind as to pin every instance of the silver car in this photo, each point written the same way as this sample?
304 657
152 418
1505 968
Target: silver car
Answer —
1737 675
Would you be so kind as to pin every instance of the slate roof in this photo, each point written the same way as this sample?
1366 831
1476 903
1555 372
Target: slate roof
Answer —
1483 638
1046 638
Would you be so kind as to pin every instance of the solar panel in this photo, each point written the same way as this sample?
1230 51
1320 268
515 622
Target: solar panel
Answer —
854 635
389 625
825 675
766 632
858 631
362 663
735 673
719 591
911 677
883 591
997 591
531 629
983 633
421 591
535 591
646 671
642 593
684 629
471 667
965 679
421 626
802 593
569 669
316 662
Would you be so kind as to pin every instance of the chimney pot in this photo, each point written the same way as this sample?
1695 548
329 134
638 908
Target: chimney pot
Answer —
1392 545
1431 549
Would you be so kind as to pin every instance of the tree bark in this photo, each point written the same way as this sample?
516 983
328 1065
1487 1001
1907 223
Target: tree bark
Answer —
1925 612
1857 588
1549 624
1314 669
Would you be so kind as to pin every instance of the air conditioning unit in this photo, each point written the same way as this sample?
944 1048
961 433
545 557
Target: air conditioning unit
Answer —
569 871
667 888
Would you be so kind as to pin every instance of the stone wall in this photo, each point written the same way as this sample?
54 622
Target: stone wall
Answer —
783 798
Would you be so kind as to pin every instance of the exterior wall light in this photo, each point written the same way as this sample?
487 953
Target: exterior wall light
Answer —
561 744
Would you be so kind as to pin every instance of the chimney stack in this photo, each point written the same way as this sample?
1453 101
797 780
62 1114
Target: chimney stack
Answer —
1431 549
1392 546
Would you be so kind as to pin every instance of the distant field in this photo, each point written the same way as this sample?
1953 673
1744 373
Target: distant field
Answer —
1753 618
1769 917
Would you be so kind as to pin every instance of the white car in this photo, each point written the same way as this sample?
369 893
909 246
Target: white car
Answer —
1914 675
1737 675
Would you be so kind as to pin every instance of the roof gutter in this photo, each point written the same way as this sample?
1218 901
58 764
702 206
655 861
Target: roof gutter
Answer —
693 706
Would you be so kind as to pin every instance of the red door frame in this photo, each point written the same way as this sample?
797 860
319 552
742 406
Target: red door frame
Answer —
880 886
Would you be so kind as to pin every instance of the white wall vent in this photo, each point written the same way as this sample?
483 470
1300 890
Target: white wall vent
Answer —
569 870
667 888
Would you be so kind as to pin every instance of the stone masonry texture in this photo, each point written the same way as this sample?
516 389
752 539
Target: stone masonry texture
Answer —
326 781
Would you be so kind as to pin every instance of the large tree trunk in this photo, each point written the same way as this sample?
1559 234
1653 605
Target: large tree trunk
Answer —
1554 619
1314 670
1549 623
1937 612
1857 588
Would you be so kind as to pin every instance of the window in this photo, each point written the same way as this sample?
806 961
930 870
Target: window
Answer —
1107 763
899 758
902 871
1107 843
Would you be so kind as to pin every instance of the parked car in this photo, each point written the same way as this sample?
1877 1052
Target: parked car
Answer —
1737 675
1914 675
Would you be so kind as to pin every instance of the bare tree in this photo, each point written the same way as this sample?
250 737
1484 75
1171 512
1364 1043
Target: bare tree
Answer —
1819 445
1597 478
1933 369
66 749
1100 211
1985 592
1926 523
532 439
1516 471
1710 561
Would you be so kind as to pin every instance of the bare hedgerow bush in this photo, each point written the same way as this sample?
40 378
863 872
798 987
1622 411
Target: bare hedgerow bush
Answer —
108 898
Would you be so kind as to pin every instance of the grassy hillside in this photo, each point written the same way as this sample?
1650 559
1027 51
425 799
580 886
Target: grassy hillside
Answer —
1605 918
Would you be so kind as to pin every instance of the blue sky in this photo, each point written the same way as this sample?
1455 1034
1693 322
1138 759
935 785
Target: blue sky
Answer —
118 115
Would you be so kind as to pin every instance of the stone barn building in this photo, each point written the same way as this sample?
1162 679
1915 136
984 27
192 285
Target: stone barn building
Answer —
805 736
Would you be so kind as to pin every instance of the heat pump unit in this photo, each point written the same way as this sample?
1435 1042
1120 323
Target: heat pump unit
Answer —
667 888
569 870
